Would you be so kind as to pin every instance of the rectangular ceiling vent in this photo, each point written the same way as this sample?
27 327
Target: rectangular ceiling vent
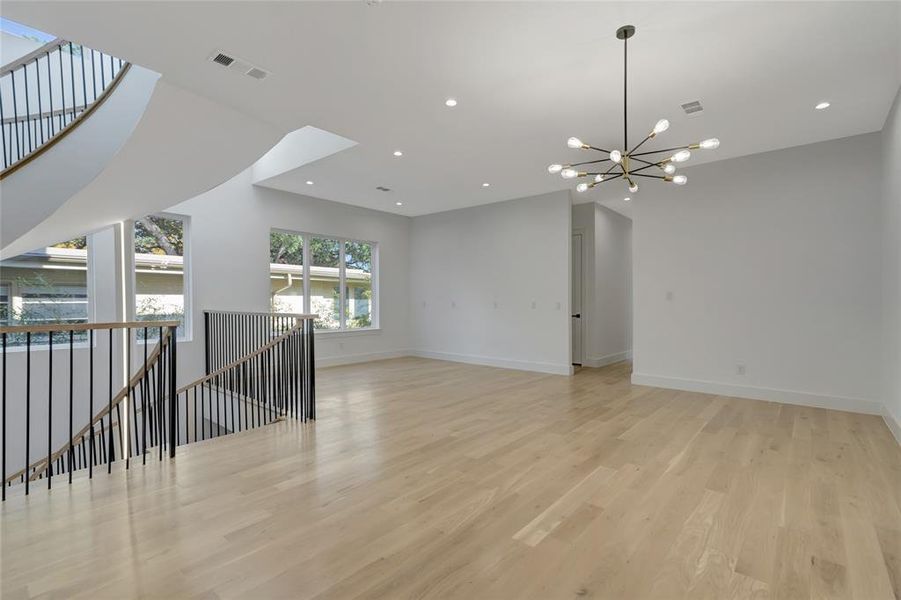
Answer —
692 107
223 59
238 65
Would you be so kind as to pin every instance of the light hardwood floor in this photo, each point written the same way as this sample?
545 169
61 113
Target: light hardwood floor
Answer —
427 479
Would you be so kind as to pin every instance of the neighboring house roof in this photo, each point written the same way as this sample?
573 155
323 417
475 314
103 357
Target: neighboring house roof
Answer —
319 272
156 263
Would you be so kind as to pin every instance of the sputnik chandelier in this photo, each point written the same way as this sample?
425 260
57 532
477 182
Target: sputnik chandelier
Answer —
630 163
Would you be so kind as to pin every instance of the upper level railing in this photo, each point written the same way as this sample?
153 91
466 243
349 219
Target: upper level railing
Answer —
47 93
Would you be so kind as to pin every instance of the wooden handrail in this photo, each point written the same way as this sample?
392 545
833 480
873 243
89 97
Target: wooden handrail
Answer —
68 128
63 327
273 342
24 60
268 314
78 438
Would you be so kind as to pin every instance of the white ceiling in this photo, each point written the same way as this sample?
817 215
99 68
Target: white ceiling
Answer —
527 75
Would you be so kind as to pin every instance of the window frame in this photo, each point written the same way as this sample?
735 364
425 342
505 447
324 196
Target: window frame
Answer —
187 279
306 236
90 296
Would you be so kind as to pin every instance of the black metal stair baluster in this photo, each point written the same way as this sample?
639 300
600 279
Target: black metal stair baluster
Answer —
49 407
202 414
62 90
231 390
74 101
111 451
91 400
173 398
126 437
195 413
12 80
3 416
71 397
37 79
160 367
5 164
84 81
93 75
243 388
27 108
159 398
302 366
144 386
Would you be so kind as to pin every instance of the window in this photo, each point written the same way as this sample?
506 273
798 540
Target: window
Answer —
160 244
331 277
286 272
325 282
358 284
46 286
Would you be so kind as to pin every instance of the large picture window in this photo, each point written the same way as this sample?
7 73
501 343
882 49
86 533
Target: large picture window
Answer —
331 277
161 290
46 286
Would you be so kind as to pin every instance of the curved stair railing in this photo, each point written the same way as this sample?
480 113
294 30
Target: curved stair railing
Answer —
272 379
47 93
89 369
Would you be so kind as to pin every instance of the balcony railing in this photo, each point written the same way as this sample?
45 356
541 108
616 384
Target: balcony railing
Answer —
65 407
48 92
86 395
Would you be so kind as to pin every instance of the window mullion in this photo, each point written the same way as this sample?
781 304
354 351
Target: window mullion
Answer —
341 278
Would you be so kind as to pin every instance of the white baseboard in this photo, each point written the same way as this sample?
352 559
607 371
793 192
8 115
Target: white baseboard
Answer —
349 359
858 405
609 359
892 422
487 361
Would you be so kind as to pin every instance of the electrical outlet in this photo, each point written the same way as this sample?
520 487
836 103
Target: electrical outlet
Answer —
669 296
558 305
453 304
740 369
495 304
534 304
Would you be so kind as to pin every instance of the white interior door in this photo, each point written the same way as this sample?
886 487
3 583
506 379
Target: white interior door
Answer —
577 300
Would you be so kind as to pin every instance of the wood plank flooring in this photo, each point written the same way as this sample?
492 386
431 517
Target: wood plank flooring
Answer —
427 479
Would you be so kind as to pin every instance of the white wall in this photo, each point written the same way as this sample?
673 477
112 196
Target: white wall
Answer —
773 261
229 244
891 267
607 283
490 284
612 332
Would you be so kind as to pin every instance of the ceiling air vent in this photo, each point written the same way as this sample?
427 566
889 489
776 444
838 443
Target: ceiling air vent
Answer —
238 65
692 107
382 188
257 73
223 59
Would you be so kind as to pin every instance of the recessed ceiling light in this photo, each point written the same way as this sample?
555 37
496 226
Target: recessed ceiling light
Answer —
450 102
822 105
309 183
486 184
398 153
626 199
399 203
